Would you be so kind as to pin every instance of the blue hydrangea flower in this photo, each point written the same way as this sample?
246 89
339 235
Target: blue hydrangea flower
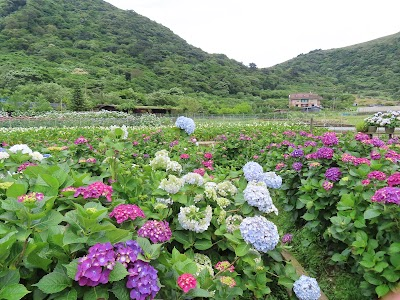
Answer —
306 288
271 179
257 194
260 233
252 171
186 124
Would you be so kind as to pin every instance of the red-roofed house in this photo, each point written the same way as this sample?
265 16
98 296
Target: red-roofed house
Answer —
305 100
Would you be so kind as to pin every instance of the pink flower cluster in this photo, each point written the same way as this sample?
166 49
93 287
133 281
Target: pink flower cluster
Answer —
31 197
23 166
378 175
187 282
229 281
329 139
394 179
80 140
95 190
355 160
123 212
156 231
327 185
184 156
387 195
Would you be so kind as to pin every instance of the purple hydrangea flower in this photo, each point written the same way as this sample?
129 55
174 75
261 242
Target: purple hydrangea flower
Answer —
327 185
387 195
329 139
297 166
394 179
156 231
287 238
333 174
297 153
325 152
142 280
127 252
95 267
378 175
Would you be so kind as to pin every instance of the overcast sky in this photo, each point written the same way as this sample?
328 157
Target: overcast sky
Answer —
269 32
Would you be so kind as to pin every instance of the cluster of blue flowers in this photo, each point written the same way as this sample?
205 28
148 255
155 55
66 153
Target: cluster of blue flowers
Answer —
257 194
254 172
306 288
260 233
186 124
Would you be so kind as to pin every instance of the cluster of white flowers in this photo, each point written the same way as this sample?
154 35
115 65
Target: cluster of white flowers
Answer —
4 155
221 217
226 188
222 202
174 167
233 222
190 218
203 262
171 185
161 161
166 201
257 194
384 119
198 198
193 178
124 129
210 190
24 149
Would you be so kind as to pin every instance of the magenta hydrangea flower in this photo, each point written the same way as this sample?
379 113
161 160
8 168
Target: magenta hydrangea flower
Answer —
387 195
80 140
392 156
142 280
394 179
32 197
375 155
184 156
325 152
310 143
95 267
280 166
156 231
95 190
23 166
329 139
287 238
361 160
187 282
333 174
361 136
365 182
123 212
377 142
208 155
378 175
327 185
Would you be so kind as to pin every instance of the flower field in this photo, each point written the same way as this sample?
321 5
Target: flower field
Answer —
149 213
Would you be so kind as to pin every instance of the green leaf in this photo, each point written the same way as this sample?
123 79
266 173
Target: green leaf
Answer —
382 290
276 255
13 292
394 248
286 282
54 282
11 277
97 292
371 213
200 293
6 243
72 268
120 291
17 189
119 272
68 295
203 244
242 249
391 275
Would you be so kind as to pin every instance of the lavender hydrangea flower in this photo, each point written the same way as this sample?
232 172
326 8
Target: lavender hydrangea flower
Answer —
306 288
333 174
186 124
252 171
260 233
271 179
256 194
142 280
156 231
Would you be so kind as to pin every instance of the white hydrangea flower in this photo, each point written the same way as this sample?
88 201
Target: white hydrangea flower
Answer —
210 190
193 178
160 162
36 156
162 153
226 188
171 185
4 155
190 218
174 166
20 147
203 262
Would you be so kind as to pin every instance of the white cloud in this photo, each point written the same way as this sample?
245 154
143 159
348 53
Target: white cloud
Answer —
268 32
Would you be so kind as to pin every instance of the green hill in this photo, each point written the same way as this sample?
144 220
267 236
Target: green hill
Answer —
51 48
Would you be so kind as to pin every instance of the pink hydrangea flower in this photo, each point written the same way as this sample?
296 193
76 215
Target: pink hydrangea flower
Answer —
208 155
327 185
123 212
156 231
229 281
187 282
200 171
394 179
365 182
95 190
80 140
184 156
224 266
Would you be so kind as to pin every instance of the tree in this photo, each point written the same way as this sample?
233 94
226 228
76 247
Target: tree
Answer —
252 66
78 103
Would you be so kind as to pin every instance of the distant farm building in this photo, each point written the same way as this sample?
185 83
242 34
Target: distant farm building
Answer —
305 100
138 109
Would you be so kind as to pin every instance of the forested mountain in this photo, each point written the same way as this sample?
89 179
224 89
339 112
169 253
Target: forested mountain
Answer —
51 48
